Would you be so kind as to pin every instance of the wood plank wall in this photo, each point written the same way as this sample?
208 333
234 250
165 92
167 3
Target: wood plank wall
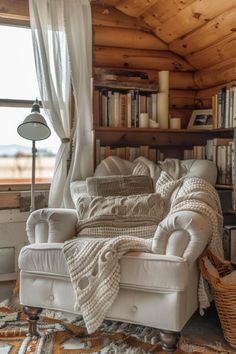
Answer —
124 42
121 41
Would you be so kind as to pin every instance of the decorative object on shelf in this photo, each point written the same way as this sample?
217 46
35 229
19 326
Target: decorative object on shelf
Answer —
175 123
163 109
201 119
143 120
163 99
34 127
163 81
153 123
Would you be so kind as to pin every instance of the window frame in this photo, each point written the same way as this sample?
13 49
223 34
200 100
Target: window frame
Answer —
9 191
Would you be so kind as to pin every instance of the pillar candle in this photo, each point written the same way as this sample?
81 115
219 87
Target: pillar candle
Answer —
163 109
163 81
175 123
143 120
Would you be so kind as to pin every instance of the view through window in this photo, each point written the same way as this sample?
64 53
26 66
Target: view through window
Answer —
18 90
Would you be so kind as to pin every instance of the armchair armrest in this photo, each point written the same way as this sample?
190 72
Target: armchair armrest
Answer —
182 233
51 225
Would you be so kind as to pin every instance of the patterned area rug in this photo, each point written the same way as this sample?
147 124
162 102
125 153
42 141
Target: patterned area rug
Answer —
64 336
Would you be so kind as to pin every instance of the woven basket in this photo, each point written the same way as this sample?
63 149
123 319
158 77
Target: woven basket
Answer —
224 295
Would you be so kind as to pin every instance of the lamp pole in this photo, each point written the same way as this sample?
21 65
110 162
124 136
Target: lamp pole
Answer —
32 204
34 127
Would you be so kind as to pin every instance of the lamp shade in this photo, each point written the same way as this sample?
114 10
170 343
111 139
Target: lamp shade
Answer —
34 126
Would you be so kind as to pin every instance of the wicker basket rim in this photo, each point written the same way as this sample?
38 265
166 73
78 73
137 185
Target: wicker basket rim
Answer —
214 281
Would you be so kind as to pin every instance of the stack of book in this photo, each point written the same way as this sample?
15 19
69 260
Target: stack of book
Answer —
229 243
221 152
128 152
122 108
224 108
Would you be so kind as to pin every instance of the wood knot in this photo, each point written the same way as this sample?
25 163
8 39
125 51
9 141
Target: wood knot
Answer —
177 66
197 15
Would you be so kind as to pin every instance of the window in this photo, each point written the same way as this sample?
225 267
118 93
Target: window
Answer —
18 90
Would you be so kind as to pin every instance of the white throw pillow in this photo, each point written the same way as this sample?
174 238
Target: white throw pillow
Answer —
136 215
119 185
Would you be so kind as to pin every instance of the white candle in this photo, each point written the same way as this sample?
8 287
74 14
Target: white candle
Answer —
163 109
175 123
143 120
163 81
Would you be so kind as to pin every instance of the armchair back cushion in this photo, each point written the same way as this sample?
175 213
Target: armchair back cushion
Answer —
136 215
113 165
119 185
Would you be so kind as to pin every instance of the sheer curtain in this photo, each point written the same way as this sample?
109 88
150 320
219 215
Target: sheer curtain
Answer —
62 41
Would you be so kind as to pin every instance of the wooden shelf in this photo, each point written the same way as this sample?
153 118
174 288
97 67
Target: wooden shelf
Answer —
230 211
159 130
184 138
225 186
113 85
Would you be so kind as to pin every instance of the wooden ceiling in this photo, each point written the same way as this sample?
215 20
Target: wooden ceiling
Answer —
194 39
203 32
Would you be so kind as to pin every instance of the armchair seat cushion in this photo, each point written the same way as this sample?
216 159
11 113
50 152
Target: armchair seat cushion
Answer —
139 270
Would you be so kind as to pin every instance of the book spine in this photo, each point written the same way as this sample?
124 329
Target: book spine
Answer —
234 106
129 110
116 110
123 110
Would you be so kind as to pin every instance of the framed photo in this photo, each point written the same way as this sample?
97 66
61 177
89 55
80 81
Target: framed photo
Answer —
201 119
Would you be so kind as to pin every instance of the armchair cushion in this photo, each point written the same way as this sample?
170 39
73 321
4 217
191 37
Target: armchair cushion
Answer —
136 215
119 185
139 270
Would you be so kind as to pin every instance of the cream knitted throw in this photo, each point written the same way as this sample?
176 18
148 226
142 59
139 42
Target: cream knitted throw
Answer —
95 273
94 263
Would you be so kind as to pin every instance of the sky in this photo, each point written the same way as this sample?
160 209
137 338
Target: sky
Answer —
18 81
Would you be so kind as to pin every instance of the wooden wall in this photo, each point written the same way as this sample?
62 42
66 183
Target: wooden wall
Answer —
199 52
152 35
123 42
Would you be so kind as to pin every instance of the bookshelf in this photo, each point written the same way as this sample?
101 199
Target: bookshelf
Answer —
172 142
128 140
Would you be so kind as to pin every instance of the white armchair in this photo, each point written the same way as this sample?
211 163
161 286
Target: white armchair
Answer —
157 289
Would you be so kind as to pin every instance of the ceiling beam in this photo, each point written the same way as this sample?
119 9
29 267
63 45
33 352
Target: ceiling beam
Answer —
126 38
138 59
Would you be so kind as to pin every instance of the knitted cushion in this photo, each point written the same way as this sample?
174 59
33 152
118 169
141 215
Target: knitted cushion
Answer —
119 185
141 169
136 215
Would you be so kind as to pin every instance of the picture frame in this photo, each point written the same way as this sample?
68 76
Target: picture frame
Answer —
201 119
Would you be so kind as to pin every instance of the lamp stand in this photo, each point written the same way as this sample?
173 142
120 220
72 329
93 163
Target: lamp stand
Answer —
34 127
32 205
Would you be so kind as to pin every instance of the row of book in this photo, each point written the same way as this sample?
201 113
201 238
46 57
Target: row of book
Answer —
218 150
224 108
221 152
128 152
122 108
229 243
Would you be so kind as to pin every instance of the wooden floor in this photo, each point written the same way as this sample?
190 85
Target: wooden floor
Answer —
206 329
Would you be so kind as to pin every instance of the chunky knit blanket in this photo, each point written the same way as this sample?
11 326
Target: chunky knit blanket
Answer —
94 263
95 273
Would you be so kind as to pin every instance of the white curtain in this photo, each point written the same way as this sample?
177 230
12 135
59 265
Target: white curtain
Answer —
62 41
